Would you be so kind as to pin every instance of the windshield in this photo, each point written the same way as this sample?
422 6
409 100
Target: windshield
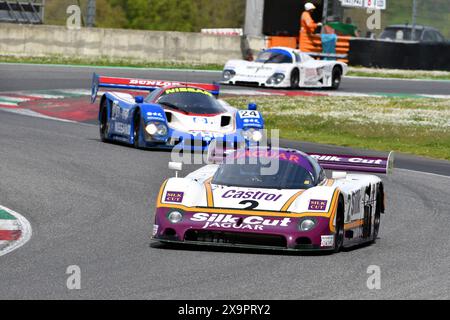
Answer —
400 34
191 100
274 56
293 173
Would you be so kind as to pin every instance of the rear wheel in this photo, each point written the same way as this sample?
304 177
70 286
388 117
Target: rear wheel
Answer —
377 219
339 233
137 128
336 78
295 79
104 125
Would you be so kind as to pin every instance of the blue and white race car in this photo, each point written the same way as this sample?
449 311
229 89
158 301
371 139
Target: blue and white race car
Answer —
174 114
281 67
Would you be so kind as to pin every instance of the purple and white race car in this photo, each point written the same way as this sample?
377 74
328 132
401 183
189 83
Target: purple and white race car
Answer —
294 207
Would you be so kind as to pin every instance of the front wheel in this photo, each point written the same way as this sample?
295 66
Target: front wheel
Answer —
104 125
295 79
336 78
339 233
137 129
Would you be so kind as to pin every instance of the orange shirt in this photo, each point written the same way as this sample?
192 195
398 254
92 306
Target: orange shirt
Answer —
307 23
308 26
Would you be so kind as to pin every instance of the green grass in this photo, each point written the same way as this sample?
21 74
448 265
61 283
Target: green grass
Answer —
105 62
398 74
415 126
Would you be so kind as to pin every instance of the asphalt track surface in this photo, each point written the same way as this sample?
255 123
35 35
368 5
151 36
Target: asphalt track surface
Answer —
32 77
91 204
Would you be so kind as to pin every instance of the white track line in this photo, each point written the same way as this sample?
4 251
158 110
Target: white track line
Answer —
422 172
30 113
26 232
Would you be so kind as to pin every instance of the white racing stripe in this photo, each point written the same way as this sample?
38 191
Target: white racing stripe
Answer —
25 236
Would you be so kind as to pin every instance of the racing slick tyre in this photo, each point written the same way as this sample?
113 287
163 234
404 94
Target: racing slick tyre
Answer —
336 78
339 234
137 128
295 79
104 125
377 218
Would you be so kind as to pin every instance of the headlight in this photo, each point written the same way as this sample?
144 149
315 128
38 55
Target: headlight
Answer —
175 217
252 134
228 74
155 128
277 78
151 129
307 224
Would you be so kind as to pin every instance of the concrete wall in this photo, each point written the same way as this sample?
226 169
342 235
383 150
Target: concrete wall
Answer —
116 44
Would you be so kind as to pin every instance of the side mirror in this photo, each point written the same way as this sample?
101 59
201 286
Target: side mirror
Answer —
176 166
252 107
139 99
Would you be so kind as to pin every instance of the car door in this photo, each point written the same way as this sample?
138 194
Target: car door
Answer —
309 72
121 118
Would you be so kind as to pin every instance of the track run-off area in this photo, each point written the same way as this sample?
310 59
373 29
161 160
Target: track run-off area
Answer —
91 205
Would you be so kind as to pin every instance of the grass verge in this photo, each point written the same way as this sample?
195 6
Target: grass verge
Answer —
415 126
399 74
105 62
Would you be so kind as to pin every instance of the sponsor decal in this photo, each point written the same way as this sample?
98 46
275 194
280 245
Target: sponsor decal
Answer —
229 221
253 67
274 154
206 135
122 128
255 195
155 230
317 205
255 121
158 116
356 203
153 83
174 196
155 114
190 90
348 159
119 113
327 241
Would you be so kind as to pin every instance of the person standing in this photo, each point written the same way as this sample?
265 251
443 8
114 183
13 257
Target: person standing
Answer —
307 24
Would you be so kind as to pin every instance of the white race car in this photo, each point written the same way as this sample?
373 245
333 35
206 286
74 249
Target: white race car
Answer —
281 67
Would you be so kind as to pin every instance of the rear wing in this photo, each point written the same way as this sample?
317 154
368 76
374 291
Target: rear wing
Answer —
381 165
142 84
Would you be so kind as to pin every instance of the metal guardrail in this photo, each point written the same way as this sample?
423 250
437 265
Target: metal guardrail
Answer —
20 11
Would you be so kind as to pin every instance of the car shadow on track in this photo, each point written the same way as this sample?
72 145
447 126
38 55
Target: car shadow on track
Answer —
205 248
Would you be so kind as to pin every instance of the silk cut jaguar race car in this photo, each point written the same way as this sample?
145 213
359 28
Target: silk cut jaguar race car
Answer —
295 208
175 114
281 67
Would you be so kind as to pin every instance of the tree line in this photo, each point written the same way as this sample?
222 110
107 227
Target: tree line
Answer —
164 15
